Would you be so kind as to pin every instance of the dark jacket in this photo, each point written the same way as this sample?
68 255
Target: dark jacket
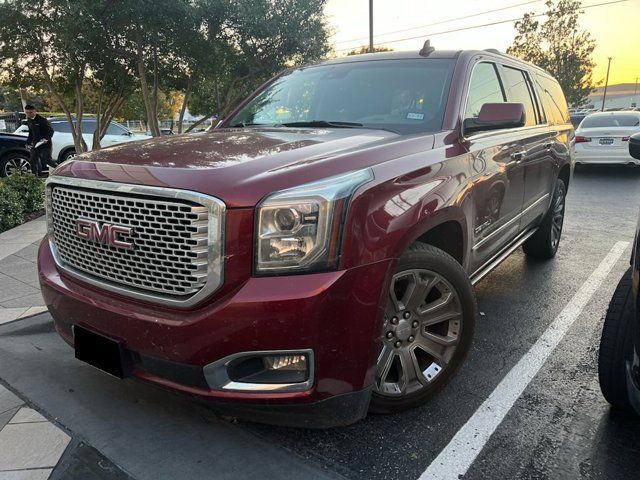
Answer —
39 129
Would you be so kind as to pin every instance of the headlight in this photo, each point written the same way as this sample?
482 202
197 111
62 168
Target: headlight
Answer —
299 229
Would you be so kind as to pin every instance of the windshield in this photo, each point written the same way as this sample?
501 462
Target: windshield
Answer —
611 121
405 96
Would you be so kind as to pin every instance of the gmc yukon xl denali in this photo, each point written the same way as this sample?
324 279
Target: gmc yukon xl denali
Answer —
312 258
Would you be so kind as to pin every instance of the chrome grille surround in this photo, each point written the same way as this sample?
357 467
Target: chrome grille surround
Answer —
177 259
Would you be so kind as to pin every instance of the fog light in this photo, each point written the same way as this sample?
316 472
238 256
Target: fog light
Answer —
286 362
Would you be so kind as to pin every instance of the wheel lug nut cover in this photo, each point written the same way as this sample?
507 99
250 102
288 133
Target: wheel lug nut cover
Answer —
398 343
411 338
415 324
389 334
394 320
407 314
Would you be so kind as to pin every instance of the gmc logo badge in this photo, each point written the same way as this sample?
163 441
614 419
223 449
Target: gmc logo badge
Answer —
106 234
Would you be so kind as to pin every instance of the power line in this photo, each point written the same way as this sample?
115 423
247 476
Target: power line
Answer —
483 25
443 21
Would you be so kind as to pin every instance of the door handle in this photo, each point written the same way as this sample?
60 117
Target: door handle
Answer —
519 156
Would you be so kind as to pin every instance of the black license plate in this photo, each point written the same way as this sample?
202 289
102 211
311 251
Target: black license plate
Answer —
101 352
606 141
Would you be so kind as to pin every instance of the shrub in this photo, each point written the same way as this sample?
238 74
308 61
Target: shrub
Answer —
30 190
11 207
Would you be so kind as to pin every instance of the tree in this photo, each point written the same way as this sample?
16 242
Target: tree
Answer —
362 50
255 40
559 45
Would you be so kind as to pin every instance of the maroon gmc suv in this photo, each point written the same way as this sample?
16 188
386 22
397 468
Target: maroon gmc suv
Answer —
312 258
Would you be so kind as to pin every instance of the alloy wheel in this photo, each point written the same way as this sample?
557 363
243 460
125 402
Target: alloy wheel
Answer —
422 328
558 218
15 165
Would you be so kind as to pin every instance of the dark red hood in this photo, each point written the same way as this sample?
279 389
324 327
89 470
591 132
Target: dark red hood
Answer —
239 166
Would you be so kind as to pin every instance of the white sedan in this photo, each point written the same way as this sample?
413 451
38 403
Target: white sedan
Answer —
63 146
603 137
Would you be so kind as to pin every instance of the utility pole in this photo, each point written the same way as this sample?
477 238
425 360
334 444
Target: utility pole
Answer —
370 26
606 84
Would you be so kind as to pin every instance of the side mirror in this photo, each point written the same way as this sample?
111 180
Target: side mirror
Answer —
634 146
496 116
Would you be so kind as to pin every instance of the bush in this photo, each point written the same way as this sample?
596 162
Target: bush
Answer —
30 189
11 208
20 194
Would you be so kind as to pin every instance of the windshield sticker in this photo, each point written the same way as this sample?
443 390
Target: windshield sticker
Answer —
415 116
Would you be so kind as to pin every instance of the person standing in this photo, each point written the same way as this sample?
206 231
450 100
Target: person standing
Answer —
39 140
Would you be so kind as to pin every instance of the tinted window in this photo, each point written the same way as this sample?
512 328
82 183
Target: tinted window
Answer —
611 121
62 127
555 105
115 129
407 96
517 86
88 126
484 88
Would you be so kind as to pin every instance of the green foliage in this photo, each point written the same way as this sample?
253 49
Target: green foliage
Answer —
11 208
29 188
364 49
559 46
20 194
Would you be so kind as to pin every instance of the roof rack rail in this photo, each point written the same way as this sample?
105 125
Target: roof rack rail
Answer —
493 50
427 49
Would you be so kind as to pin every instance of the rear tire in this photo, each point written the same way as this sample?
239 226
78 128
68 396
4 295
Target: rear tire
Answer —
544 243
427 332
616 345
70 153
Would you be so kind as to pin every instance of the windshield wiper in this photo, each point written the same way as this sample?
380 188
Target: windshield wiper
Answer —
324 123
248 124
334 124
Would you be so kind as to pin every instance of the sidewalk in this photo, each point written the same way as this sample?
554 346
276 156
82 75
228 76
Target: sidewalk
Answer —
19 290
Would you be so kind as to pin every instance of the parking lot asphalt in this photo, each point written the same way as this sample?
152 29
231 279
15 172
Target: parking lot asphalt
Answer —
559 427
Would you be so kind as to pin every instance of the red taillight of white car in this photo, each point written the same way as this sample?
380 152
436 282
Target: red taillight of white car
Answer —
580 139
625 139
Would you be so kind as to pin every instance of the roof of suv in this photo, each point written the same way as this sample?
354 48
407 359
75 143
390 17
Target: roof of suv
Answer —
451 54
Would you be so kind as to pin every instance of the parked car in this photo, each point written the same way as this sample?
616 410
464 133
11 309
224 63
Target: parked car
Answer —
576 118
603 137
312 258
63 146
14 155
618 363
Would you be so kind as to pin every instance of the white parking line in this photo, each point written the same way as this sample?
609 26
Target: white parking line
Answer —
456 458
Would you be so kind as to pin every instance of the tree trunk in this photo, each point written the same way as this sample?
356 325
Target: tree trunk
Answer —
23 97
185 100
152 122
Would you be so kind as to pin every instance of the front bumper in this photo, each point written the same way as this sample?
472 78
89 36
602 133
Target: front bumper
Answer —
337 315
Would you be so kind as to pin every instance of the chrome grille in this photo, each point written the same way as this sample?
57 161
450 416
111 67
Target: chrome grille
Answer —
176 241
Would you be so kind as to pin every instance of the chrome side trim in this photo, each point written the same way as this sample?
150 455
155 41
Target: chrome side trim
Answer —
216 219
517 217
218 379
494 261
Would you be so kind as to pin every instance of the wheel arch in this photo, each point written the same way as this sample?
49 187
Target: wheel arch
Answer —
565 175
64 151
445 229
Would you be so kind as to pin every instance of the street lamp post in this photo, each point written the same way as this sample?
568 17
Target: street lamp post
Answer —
606 84
370 26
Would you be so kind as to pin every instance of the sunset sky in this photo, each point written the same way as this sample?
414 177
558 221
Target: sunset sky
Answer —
614 27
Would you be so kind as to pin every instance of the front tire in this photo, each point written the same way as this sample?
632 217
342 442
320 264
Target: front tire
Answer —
14 163
427 331
616 345
544 243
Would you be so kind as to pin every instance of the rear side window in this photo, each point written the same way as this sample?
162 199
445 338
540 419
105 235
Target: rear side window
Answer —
62 127
611 121
555 105
88 126
115 129
484 88
517 86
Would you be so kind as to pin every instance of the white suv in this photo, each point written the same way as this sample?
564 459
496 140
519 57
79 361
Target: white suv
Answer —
63 146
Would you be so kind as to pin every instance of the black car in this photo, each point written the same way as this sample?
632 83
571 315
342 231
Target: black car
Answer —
14 155
618 363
